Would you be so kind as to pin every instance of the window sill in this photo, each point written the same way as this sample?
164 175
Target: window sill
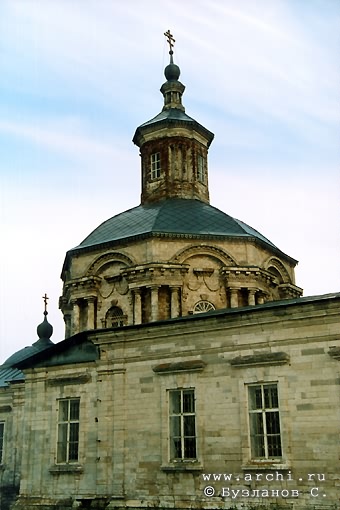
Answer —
185 466
66 468
266 464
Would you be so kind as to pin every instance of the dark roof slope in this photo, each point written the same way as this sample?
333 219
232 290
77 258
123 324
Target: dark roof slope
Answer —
172 117
8 371
173 216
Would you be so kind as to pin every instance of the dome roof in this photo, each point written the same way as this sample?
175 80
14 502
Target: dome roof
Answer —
171 217
24 353
8 371
172 72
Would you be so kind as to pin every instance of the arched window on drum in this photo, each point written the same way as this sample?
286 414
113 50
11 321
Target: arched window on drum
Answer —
115 318
203 306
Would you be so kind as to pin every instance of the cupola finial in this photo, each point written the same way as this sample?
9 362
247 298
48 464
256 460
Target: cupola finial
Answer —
45 298
171 41
44 329
172 89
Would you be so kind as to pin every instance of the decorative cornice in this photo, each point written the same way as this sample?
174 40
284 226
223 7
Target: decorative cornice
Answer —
85 282
77 379
138 274
179 366
265 358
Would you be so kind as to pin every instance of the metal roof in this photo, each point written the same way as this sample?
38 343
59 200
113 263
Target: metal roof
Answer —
8 373
172 216
168 117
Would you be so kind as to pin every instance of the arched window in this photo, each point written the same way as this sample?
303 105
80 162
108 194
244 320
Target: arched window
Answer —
115 318
203 306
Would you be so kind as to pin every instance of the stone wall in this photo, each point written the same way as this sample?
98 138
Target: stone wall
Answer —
124 414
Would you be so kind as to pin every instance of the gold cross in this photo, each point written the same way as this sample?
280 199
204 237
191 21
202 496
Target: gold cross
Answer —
171 41
45 298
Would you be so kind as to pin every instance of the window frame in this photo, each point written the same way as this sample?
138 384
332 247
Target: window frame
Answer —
263 440
203 306
117 320
64 454
185 417
200 168
155 165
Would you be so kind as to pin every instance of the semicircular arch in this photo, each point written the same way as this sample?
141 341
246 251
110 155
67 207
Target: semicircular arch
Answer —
212 251
277 265
107 259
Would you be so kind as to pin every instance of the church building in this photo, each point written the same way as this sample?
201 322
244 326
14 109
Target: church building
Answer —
193 375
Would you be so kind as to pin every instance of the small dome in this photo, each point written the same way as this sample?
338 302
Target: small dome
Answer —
172 72
45 330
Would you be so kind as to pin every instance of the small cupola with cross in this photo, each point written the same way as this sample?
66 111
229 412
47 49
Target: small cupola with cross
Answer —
173 146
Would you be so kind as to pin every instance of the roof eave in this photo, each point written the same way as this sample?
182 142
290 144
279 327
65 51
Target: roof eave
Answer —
192 125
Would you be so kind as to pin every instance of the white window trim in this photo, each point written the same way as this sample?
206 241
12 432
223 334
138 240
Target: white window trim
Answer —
69 421
182 416
200 168
263 411
203 306
168 382
155 166
249 463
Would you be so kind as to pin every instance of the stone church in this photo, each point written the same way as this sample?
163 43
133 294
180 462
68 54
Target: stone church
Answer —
192 375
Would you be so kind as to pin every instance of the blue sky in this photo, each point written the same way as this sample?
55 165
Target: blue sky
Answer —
78 77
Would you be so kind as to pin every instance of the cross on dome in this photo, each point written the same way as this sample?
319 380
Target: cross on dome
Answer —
45 298
170 40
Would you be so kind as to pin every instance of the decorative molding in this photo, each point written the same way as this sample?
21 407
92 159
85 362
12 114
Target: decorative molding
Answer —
5 409
182 466
179 366
85 283
106 259
334 352
203 271
203 249
277 264
58 469
265 358
77 379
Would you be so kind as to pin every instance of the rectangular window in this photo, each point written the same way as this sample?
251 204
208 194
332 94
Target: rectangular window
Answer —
2 430
182 424
264 421
200 168
155 165
68 430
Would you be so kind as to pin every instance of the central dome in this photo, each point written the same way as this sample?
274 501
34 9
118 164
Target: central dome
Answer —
173 217
174 254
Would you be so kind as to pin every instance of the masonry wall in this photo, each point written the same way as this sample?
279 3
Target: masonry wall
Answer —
124 414
11 416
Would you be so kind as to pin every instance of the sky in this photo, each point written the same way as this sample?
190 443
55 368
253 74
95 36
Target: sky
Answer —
77 77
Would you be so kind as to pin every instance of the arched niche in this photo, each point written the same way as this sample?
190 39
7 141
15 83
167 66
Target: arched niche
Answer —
276 268
204 250
99 265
